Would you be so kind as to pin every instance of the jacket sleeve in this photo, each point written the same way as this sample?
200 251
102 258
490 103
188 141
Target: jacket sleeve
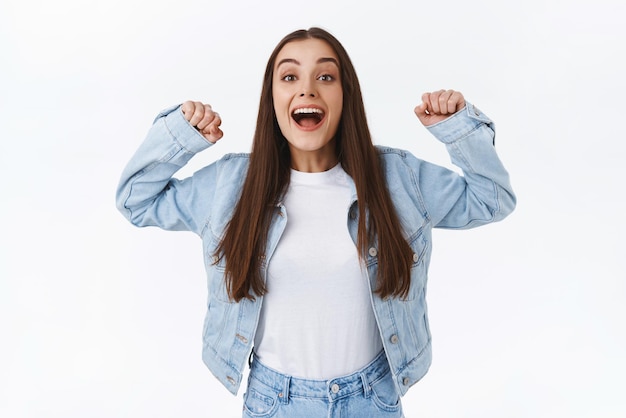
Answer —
147 195
483 194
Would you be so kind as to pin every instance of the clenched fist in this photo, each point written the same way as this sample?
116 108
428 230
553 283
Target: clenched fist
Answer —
439 105
202 117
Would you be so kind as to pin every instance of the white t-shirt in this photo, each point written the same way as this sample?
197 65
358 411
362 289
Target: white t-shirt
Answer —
317 320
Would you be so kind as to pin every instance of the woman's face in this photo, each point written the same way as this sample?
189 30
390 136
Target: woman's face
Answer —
308 100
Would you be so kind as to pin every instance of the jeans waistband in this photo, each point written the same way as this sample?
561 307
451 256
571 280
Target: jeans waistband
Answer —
332 389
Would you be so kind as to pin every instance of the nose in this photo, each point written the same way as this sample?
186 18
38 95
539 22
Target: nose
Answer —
308 89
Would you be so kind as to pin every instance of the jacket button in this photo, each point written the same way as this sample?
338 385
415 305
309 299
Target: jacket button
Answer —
415 257
394 339
406 381
373 252
352 214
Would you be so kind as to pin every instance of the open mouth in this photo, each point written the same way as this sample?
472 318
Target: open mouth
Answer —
308 117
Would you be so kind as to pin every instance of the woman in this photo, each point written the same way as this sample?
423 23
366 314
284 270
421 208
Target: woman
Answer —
317 243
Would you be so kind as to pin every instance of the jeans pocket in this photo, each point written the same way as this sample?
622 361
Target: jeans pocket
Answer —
385 394
260 401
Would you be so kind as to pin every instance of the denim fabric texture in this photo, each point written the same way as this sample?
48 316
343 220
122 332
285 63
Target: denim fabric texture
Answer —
425 196
369 392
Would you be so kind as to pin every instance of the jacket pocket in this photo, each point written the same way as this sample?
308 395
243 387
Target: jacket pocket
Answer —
418 269
215 321
216 276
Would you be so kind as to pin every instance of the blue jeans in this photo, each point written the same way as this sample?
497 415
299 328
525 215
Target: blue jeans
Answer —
367 393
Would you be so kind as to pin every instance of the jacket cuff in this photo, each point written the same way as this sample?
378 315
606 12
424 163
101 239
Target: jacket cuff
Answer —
459 125
181 130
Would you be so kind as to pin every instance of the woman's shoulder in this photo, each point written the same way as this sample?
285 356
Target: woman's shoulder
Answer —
235 158
391 154
384 150
400 162
233 161
228 166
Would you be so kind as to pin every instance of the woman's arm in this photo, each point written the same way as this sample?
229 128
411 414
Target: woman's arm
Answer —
483 193
147 195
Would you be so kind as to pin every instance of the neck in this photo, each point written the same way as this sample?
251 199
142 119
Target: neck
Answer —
309 162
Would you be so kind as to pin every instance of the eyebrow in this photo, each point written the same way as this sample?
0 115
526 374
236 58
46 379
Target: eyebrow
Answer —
319 61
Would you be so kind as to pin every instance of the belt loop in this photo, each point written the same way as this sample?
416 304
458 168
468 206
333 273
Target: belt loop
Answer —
284 395
366 386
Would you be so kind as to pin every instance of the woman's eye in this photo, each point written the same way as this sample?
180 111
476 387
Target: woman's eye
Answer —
326 77
289 78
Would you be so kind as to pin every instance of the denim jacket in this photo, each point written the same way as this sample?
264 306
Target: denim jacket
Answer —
425 196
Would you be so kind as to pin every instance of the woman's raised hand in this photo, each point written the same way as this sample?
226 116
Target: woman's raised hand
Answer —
439 105
202 117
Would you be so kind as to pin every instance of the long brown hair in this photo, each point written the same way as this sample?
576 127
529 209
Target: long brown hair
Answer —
244 242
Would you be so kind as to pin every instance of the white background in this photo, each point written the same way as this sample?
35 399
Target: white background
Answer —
101 319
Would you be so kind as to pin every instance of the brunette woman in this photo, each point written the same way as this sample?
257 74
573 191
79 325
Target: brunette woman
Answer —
317 243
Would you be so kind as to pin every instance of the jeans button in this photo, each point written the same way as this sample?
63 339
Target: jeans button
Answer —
334 388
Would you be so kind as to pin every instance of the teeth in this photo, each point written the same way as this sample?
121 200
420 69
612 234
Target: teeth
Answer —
307 110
